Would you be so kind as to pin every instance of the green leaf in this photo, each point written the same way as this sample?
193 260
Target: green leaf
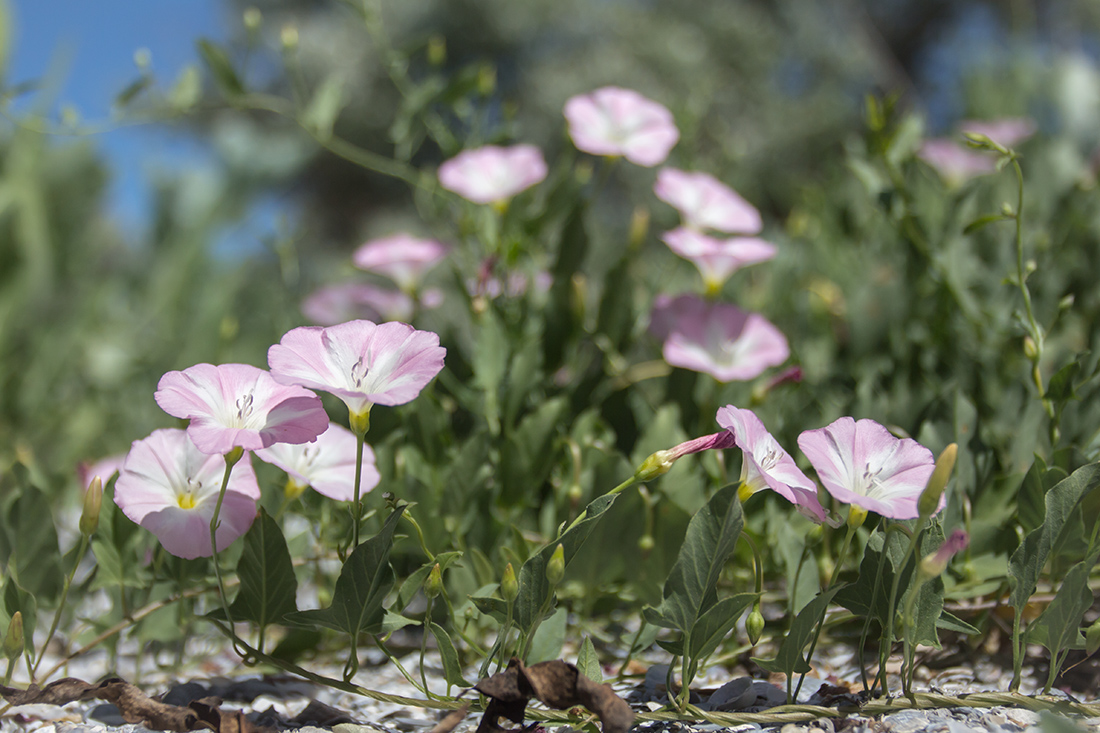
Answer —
361 589
526 461
534 588
713 626
789 659
1030 506
490 364
1027 562
29 545
268 584
320 116
1061 387
548 639
690 590
132 90
452 668
982 221
950 622
1059 626
493 607
412 584
218 62
587 662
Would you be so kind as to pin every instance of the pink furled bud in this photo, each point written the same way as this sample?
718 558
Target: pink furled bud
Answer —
935 563
660 462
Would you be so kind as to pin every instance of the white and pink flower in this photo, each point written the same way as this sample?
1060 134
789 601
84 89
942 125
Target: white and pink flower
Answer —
766 465
170 487
704 202
360 362
328 466
401 257
717 259
493 174
613 121
240 406
718 339
862 463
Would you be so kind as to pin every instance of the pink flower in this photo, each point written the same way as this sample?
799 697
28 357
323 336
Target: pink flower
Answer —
360 362
717 259
1006 132
170 487
861 463
955 162
766 465
706 203
615 121
660 463
348 301
238 405
105 468
327 465
492 174
401 257
716 338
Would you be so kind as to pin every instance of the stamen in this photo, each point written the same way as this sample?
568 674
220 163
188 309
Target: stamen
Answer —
244 406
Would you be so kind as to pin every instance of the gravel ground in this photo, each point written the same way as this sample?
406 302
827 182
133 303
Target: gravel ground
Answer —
219 672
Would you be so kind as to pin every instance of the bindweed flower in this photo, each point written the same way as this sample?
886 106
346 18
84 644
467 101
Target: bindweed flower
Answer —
360 362
104 468
766 465
718 339
955 162
616 121
935 563
660 462
170 487
493 174
239 405
717 259
401 257
861 463
327 465
334 304
704 202
509 586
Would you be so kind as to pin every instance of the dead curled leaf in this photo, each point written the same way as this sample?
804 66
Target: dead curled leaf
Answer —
557 684
137 707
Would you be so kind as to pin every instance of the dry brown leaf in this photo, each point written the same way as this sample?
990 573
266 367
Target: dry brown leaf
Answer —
559 685
451 720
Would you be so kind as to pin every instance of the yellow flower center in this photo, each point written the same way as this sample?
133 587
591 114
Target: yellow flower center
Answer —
187 500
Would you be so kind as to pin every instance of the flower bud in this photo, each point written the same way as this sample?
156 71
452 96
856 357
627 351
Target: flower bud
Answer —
1092 638
13 640
639 227
1031 351
93 500
289 37
555 569
433 584
646 543
509 587
143 58
656 465
437 50
252 19
935 563
754 624
929 502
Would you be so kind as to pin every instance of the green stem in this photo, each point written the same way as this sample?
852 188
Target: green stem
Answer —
424 642
630 651
840 558
888 639
61 603
231 459
357 504
420 536
400 668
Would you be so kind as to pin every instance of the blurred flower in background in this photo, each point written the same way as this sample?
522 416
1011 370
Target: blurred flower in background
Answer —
493 174
613 121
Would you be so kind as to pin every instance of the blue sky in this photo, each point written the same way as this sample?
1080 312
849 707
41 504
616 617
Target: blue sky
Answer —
89 45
